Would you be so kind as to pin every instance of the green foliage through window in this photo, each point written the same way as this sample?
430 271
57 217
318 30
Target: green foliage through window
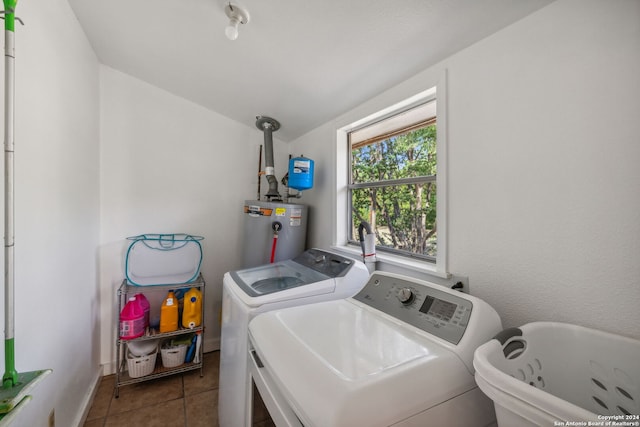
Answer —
393 188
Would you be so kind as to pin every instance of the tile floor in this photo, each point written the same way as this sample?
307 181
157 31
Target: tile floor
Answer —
182 400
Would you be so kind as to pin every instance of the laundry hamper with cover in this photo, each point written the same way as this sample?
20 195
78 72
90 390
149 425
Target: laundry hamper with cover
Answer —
163 259
552 374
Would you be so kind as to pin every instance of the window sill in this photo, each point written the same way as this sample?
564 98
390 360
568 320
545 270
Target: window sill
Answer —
418 266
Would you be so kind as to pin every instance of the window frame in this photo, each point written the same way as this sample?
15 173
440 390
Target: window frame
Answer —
390 182
342 217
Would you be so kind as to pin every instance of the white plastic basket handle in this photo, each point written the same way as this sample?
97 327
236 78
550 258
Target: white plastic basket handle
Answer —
513 345
165 241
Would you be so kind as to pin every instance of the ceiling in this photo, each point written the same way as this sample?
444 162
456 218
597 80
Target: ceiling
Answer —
300 62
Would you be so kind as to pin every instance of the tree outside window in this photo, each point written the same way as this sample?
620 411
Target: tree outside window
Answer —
393 185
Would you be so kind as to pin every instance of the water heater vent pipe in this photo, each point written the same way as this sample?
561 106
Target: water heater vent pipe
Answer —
268 125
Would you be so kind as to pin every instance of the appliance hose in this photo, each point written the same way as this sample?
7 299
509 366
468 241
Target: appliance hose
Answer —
368 245
276 226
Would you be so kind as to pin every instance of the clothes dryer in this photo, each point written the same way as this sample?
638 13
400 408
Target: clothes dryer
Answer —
399 353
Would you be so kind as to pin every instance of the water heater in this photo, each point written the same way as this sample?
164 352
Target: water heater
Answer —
273 231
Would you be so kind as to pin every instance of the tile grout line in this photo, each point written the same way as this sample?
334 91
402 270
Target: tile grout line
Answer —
184 402
113 396
183 383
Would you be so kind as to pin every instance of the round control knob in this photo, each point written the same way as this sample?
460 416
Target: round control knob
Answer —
406 296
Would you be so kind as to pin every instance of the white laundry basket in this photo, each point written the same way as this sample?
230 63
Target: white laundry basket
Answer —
557 374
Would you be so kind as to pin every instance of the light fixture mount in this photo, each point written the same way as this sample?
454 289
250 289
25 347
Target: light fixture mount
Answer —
237 15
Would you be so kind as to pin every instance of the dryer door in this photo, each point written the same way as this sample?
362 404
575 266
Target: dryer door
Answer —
279 410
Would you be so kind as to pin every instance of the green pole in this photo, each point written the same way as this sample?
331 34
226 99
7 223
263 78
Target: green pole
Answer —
9 16
10 377
15 386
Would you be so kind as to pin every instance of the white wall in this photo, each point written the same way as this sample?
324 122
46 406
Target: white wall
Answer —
171 166
57 210
544 197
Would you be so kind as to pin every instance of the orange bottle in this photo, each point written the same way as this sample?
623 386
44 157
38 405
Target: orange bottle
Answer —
169 314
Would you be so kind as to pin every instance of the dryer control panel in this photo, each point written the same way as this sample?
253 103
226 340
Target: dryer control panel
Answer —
427 306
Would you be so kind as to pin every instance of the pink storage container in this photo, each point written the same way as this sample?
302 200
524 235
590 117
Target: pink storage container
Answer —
145 306
132 320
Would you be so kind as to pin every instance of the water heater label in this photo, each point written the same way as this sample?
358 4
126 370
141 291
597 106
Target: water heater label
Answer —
281 211
295 220
256 211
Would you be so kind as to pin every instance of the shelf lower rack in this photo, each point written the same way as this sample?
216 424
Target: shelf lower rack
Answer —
158 372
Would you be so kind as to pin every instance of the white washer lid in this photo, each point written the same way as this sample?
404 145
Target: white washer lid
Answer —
277 277
341 363
313 289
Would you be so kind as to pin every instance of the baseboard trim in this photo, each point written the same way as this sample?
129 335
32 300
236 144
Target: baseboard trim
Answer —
211 344
85 406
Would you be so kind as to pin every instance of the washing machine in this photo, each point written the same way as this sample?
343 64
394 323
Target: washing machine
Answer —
315 275
399 353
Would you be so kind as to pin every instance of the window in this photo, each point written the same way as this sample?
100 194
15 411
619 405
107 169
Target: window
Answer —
392 181
425 115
